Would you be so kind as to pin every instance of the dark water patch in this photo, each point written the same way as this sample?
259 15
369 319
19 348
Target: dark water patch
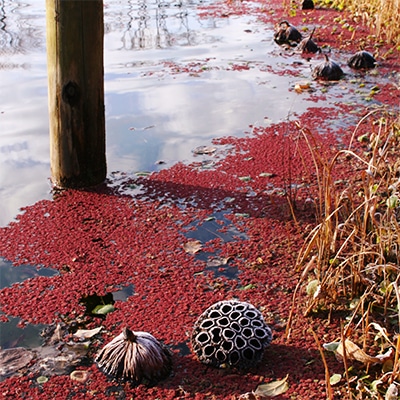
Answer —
10 274
13 335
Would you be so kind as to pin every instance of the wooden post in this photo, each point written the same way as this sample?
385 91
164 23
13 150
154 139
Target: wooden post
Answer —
75 33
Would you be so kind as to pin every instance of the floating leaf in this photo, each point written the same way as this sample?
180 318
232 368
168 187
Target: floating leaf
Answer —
242 215
217 261
335 379
103 309
42 379
245 178
204 150
273 389
142 173
193 246
249 286
87 333
266 175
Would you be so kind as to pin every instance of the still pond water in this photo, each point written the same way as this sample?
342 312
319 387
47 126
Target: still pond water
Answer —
155 109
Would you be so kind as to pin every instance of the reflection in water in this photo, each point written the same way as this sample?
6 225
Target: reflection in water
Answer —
147 25
18 33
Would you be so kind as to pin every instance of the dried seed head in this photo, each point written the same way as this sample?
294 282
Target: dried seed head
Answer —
135 356
327 70
287 33
362 60
231 333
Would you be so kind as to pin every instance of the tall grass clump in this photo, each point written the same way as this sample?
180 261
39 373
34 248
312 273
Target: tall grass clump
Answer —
350 261
382 16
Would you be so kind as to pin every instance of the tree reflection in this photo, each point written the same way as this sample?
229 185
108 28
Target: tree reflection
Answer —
149 24
18 32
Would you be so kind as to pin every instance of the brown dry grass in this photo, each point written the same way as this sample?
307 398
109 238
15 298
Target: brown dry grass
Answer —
351 259
383 16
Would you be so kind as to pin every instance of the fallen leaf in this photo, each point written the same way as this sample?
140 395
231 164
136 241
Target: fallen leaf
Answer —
87 333
392 392
353 352
193 246
272 389
217 261
204 150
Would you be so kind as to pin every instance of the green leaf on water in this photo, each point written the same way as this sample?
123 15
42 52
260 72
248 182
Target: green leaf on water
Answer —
103 309
249 286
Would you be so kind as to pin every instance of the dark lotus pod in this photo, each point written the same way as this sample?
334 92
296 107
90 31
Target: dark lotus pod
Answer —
362 60
135 356
232 334
327 70
307 5
307 45
287 33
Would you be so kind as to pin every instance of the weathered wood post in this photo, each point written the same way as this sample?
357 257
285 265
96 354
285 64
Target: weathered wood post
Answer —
75 33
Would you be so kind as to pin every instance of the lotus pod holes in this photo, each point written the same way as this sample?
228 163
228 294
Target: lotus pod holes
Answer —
137 357
230 333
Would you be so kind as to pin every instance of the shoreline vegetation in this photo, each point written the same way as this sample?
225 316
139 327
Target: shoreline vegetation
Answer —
382 16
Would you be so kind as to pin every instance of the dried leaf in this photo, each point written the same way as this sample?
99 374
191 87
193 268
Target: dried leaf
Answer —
217 261
392 392
353 352
87 333
204 150
272 389
193 246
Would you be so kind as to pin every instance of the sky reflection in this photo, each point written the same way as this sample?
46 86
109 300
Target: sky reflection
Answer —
156 108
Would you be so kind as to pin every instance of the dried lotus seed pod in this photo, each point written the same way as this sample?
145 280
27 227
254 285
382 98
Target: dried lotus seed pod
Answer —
362 60
287 33
327 70
230 333
307 45
135 356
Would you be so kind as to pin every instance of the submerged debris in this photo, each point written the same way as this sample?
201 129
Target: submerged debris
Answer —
135 356
230 333
287 34
327 70
307 45
12 360
362 60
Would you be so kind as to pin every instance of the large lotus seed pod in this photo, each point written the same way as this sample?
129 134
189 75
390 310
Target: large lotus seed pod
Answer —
287 33
230 334
307 45
328 71
362 60
135 356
